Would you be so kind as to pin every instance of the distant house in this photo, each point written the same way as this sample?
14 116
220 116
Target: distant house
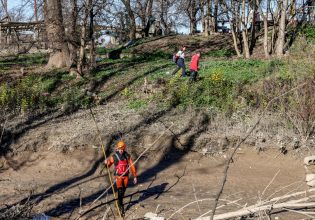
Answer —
106 37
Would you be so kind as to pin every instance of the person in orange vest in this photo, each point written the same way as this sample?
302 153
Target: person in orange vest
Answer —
194 66
123 163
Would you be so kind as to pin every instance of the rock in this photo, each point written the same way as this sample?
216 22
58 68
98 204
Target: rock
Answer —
309 177
223 143
311 183
152 216
296 144
310 160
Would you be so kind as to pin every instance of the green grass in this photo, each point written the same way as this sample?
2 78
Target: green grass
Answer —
25 59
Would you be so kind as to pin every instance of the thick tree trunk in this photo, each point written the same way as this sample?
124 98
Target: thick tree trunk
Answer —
211 19
207 21
59 56
193 20
132 20
281 33
149 8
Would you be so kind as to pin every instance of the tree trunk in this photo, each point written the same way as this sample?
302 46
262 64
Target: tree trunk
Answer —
233 23
265 20
203 15
253 28
238 53
193 20
207 22
82 56
211 19
215 15
60 56
35 10
281 32
244 34
91 37
149 8
73 31
132 20
5 8
162 14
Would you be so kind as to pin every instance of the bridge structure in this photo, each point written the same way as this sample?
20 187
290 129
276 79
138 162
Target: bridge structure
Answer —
24 33
21 34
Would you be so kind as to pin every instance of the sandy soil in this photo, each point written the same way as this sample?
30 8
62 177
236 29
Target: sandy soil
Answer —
62 182
58 160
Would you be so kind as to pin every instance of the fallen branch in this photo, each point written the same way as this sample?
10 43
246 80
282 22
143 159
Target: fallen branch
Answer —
201 200
269 205
245 212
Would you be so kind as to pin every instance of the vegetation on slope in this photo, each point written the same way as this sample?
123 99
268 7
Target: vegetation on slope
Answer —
144 80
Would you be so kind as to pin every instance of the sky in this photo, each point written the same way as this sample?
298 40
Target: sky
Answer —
13 3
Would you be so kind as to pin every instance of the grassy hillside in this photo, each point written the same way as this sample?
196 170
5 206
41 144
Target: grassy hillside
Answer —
142 79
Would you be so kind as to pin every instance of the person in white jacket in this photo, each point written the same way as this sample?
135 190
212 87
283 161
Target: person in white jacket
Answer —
180 61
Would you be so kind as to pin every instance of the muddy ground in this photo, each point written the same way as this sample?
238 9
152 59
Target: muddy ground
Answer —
58 159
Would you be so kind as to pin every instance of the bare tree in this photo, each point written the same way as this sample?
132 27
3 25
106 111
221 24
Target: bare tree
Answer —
82 55
5 9
35 10
191 8
265 22
59 56
132 20
244 30
144 11
232 12
282 27
73 30
253 26
215 15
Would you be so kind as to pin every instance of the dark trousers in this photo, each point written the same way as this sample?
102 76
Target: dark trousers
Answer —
193 75
121 194
180 65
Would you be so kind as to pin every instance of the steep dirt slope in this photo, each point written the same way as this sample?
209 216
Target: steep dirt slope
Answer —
60 162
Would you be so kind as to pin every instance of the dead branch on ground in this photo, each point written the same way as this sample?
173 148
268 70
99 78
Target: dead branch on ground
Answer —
19 211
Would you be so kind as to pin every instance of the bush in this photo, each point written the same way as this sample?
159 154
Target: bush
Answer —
221 53
309 32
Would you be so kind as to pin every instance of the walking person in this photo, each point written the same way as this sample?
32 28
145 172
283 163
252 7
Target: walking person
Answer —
122 162
194 66
180 61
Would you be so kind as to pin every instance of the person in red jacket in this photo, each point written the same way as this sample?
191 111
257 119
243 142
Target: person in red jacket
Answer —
194 66
123 163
